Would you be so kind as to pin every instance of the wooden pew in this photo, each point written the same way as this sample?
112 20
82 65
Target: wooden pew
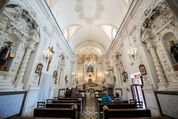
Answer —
65 105
72 98
78 102
117 106
59 105
82 99
69 118
56 112
98 102
69 98
66 101
37 118
126 113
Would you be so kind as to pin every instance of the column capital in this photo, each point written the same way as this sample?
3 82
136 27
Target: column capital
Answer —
150 45
32 45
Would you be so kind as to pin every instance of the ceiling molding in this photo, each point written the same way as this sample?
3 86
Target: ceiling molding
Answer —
90 43
71 30
79 8
90 15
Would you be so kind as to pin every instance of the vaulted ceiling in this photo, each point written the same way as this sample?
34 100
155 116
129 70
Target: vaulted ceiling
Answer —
89 25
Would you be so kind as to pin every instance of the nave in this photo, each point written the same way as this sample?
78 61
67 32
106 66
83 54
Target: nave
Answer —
89 106
128 47
90 109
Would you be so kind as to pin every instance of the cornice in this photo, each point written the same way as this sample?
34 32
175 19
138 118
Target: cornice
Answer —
48 14
134 5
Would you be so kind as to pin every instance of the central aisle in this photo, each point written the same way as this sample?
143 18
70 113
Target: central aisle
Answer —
90 111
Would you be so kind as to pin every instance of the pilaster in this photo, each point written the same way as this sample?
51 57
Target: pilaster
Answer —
161 77
21 72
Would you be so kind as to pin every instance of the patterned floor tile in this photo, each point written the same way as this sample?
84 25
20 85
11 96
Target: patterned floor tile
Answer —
90 109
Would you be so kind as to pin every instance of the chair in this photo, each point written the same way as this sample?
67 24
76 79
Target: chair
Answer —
49 101
40 104
56 98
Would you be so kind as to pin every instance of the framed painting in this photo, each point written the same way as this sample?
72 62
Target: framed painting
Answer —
39 68
142 69
55 74
125 76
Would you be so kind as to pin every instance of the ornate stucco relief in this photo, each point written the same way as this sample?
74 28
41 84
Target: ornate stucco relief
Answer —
18 23
79 8
157 21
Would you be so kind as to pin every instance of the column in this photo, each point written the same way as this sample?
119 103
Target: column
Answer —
61 76
73 66
58 74
21 71
161 77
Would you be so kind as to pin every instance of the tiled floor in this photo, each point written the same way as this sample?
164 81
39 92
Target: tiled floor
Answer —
90 109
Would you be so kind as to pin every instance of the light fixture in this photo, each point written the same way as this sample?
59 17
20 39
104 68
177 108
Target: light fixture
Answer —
73 73
47 55
133 53
106 72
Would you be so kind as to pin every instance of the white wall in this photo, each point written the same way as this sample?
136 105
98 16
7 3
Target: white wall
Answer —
50 35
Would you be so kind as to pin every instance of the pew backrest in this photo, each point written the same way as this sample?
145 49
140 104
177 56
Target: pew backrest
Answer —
126 113
55 112
117 106
66 101
63 105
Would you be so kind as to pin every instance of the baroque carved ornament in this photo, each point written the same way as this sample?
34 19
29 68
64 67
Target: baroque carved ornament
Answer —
162 12
79 8
18 19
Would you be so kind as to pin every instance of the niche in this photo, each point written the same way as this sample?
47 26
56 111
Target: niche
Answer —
171 46
8 52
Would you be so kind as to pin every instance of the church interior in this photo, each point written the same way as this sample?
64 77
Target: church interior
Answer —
88 59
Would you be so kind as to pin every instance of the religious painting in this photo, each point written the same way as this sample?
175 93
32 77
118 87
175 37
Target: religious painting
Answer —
55 77
90 72
55 74
90 69
6 55
39 68
119 90
66 80
142 70
171 46
125 76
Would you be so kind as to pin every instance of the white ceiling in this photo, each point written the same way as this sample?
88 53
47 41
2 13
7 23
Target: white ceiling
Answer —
87 21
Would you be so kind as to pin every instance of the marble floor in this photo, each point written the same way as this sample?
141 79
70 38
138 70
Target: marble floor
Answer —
90 111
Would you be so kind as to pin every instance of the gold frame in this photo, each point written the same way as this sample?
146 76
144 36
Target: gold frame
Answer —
142 69
39 68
